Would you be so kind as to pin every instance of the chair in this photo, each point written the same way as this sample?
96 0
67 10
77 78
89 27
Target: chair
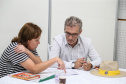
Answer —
49 49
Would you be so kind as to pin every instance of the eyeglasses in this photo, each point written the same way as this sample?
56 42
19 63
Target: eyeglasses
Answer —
73 35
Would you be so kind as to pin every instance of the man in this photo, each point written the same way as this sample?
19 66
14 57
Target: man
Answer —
74 49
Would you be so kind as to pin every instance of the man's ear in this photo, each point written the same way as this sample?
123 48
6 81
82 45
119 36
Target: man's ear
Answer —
80 32
64 30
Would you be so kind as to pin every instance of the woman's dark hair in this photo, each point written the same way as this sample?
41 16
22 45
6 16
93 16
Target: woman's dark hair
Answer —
28 32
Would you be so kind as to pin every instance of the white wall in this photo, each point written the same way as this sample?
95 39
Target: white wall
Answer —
98 17
15 13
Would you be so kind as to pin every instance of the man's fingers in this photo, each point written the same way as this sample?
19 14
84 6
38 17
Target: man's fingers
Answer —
88 62
81 59
87 65
85 62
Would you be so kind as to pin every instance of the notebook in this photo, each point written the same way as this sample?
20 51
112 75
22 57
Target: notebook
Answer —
26 76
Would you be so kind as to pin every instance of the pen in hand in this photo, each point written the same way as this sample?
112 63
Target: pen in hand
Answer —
87 65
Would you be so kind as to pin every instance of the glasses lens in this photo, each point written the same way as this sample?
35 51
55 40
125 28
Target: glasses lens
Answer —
73 35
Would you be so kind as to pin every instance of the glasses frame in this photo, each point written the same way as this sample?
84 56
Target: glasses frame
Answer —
73 35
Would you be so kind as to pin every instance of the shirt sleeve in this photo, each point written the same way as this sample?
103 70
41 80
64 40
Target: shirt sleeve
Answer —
94 57
16 58
68 64
55 50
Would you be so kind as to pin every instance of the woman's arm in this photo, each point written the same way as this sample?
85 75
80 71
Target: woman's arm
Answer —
37 68
20 49
36 59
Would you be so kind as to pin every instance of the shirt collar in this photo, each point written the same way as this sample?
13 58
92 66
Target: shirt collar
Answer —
65 39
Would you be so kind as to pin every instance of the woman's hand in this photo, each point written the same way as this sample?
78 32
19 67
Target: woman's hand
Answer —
21 49
61 64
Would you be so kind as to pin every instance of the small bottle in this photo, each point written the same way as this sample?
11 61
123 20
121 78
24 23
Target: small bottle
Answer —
57 74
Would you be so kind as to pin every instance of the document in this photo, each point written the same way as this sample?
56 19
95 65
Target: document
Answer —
61 72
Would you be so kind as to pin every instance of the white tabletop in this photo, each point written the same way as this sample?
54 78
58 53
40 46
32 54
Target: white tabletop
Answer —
83 77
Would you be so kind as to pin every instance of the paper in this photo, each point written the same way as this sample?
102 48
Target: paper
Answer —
52 72
61 72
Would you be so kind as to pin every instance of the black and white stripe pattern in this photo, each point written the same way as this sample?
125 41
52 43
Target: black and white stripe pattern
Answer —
10 60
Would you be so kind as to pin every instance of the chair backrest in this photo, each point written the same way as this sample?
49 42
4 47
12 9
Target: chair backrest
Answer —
49 49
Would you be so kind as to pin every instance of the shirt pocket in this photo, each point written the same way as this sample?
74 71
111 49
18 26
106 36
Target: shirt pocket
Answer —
82 54
65 55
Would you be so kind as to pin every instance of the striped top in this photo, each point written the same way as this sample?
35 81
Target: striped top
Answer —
10 60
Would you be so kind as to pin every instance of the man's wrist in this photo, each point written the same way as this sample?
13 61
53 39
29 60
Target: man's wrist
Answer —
91 66
72 65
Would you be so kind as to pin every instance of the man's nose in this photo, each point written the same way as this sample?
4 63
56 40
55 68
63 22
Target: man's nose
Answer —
70 37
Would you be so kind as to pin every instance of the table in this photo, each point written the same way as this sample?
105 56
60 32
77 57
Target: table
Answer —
83 77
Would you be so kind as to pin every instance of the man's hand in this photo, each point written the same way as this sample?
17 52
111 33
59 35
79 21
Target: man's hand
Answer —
87 65
79 63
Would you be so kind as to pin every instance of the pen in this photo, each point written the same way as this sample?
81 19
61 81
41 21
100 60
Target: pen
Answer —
50 77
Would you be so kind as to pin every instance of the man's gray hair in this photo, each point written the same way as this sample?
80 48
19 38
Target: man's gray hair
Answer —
73 21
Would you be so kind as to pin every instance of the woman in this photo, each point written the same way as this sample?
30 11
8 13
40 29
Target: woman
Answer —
21 54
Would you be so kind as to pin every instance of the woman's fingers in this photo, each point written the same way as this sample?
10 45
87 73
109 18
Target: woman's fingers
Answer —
62 67
19 48
16 49
61 64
